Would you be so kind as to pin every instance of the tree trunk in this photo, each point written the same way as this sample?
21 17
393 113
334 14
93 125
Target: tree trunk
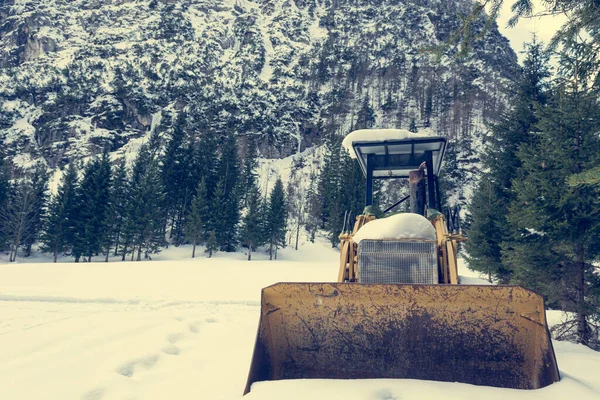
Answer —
179 219
249 252
139 256
194 249
117 244
582 325
297 234
55 254
172 227
13 253
270 250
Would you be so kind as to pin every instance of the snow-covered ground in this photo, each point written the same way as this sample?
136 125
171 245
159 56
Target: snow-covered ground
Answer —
181 328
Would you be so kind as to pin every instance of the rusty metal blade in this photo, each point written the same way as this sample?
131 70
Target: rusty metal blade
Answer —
483 335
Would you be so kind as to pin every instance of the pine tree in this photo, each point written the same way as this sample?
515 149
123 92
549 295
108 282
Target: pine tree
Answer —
276 219
197 213
413 126
180 172
329 187
217 213
314 206
211 244
117 208
190 181
353 187
341 188
249 174
143 228
152 237
557 225
207 159
365 117
39 184
58 227
173 165
251 233
514 127
489 229
94 195
296 204
228 171
17 218
5 171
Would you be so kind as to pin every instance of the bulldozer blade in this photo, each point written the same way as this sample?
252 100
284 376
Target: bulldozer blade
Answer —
482 335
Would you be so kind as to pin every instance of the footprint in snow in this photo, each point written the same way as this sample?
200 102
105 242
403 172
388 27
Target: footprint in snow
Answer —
195 327
171 350
129 369
385 394
95 394
174 337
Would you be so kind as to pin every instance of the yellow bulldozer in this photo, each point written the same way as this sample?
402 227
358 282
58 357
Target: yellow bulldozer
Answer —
398 308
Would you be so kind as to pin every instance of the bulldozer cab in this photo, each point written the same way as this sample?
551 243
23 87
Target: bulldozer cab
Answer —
397 309
399 154
394 154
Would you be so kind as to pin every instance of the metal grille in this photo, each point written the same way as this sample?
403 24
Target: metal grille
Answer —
386 261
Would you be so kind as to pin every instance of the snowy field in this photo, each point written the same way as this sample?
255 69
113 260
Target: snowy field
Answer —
177 328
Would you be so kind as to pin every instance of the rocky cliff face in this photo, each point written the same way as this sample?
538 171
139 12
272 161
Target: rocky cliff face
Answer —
79 75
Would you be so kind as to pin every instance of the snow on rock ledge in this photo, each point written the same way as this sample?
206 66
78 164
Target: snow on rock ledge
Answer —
399 226
380 135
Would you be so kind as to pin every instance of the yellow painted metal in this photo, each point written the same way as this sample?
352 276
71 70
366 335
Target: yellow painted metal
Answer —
345 244
348 271
446 242
452 263
483 335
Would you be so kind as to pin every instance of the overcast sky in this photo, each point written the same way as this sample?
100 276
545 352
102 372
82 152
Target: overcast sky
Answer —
544 27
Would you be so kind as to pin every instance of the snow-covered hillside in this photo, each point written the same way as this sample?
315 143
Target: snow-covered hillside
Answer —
80 76
185 329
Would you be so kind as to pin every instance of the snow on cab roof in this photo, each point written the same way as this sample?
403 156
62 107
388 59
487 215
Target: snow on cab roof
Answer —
399 226
381 135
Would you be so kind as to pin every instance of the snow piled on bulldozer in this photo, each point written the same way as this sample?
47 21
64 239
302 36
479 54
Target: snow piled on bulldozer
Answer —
182 328
399 226
381 135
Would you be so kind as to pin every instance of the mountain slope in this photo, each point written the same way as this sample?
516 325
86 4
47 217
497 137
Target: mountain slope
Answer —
78 76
